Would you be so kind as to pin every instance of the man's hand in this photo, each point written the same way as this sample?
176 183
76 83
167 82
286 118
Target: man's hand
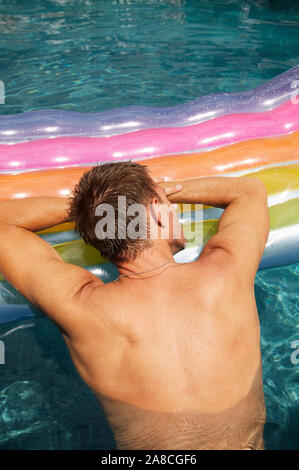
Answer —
170 188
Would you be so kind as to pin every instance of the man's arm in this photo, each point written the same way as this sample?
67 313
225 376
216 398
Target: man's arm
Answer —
243 228
34 268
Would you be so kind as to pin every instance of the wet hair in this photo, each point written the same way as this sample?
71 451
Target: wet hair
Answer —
102 185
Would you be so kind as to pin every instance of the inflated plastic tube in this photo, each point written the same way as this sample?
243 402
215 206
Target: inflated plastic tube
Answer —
244 156
225 130
49 123
56 238
282 247
14 312
241 157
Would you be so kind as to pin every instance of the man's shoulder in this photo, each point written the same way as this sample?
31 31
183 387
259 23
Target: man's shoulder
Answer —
212 274
103 308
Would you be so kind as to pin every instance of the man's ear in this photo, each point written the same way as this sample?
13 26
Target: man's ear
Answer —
156 209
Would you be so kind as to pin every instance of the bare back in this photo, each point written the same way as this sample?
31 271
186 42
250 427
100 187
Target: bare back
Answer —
175 360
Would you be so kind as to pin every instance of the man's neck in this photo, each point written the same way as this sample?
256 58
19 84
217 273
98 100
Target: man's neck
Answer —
156 256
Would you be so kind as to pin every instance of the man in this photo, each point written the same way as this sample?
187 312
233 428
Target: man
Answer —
172 351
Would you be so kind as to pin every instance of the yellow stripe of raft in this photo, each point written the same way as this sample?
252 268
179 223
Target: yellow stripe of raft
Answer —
58 228
284 214
278 179
77 252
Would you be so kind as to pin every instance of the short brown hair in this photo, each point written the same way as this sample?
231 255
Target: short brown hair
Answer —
102 185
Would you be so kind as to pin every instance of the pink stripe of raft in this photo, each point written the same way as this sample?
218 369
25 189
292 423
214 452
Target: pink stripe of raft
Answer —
222 131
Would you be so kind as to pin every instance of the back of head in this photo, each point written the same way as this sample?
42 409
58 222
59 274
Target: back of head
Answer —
111 189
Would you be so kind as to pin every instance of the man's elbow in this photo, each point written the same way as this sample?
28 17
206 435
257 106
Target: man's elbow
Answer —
257 187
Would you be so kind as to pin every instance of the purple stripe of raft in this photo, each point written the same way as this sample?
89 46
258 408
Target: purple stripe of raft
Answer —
47 123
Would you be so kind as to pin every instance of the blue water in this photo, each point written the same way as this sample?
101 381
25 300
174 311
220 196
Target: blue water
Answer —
95 55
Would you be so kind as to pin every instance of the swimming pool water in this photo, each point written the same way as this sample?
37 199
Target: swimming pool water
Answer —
94 55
